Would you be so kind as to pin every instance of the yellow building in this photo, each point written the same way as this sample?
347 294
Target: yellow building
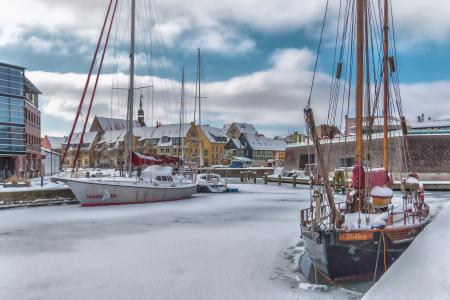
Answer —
204 145
86 157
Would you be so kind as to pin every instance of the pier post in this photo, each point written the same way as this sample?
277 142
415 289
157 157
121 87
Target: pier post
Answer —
242 177
279 180
265 178
254 177
294 180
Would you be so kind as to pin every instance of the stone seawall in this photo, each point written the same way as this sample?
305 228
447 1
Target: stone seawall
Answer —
430 155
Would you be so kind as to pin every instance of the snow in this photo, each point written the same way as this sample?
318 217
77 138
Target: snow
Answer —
423 271
383 192
35 186
213 246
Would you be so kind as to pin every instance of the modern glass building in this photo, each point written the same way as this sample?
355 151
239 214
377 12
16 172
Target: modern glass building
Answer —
12 117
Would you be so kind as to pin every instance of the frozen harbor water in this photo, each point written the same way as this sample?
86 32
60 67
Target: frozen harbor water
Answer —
214 246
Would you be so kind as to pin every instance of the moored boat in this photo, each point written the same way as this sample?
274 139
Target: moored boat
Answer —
210 183
149 185
362 236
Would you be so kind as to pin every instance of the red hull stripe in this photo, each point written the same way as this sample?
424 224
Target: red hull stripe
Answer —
125 203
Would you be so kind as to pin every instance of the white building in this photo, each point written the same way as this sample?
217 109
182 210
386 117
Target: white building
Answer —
50 162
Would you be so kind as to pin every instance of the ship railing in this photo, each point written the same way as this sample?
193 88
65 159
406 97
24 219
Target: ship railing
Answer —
307 215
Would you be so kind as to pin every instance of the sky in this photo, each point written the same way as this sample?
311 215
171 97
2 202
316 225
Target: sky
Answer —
257 59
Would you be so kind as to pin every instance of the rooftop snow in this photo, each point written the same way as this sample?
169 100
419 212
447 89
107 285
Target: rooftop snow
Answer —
263 143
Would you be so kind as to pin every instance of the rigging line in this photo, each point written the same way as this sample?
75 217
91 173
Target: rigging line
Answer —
164 54
87 83
95 85
318 53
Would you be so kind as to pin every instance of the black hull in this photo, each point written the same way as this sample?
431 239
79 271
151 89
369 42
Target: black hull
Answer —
336 260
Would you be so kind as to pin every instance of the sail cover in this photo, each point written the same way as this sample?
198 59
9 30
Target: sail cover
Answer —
145 160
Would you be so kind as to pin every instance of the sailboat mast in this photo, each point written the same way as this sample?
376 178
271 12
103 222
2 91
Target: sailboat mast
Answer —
131 90
182 115
199 89
359 147
386 86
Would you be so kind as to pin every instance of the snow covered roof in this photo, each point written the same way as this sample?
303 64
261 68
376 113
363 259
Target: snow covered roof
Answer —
238 144
226 127
263 143
214 134
431 124
113 136
246 128
169 130
88 138
56 141
113 124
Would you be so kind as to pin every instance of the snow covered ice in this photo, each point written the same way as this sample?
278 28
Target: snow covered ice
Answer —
214 246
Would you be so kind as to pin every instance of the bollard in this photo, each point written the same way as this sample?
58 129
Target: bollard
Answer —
279 180
254 177
294 180
242 177
42 180
265 178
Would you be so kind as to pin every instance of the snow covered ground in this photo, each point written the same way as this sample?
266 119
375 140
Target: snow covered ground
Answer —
215 246
35 185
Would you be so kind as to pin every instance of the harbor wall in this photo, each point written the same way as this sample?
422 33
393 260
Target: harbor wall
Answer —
429 155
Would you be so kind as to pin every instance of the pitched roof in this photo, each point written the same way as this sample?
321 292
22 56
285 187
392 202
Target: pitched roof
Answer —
246 128
263 143
214 134
113 136
236 144
114 124
88 138
169 130
56 141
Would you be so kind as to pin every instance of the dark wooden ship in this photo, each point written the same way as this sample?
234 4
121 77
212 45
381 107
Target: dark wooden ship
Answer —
362 236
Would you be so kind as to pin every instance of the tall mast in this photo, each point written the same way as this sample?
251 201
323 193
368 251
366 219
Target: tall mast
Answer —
386 86
199 88
182 116
359 148
199 76
131 90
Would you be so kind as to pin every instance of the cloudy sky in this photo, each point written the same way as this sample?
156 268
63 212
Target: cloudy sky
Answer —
257 57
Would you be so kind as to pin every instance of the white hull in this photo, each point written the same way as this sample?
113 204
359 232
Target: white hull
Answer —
98 193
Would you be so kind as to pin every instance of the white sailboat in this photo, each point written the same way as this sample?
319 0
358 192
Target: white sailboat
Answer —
155 184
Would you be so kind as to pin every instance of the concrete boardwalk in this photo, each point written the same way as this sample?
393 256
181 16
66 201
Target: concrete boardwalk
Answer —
423 271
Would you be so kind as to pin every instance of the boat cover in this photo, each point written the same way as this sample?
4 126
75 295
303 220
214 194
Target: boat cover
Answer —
145 160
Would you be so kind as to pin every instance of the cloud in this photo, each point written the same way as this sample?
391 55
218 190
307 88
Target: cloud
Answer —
218 26
273 98
278 93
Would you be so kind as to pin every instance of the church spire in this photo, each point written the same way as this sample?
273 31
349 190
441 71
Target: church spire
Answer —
141 113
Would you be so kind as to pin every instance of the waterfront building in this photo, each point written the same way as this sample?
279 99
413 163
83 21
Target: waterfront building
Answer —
20 124
102 124
87 156
50 161
205 145
53 143
429 153
235 129
262 149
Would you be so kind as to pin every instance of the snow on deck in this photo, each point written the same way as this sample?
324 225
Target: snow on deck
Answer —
423 271
213 246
